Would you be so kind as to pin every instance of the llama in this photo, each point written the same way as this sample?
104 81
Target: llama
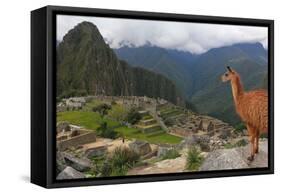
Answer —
252 107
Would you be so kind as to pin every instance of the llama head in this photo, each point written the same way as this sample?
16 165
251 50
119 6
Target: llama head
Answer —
228 75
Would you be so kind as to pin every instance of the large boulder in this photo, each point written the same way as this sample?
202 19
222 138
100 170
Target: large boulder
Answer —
222 160
96 151
236 158
70 173
80 164
140 147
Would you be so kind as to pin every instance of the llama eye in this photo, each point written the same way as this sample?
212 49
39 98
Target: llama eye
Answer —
226 74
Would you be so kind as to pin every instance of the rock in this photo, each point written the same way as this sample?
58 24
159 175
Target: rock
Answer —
60 165
222 160
80 164
63 127
162 151
236 158
96 151
140 147
70 173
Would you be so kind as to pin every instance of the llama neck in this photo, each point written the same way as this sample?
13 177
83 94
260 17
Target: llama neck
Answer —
237 89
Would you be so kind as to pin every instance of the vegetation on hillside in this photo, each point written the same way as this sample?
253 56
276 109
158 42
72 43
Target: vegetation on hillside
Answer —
194 159
81 69
115 164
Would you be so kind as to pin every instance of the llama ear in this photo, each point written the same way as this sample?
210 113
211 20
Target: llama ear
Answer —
229 69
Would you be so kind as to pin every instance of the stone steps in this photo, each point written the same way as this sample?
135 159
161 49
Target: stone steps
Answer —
151 129
147 122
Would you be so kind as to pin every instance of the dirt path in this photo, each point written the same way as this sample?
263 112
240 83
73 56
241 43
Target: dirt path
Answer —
163 166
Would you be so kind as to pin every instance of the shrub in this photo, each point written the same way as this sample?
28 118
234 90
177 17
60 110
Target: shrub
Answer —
102 109
171 154
113 103
118 113
106 168
241 143
239 128
228 146
122 159
124 155
133 116
194 159
263 135
106 132
116 164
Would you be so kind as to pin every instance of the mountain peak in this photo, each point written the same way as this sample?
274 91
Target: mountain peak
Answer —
84 30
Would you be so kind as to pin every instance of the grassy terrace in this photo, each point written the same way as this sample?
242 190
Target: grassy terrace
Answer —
92 120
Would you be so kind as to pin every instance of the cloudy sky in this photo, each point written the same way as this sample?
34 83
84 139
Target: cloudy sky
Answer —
193 37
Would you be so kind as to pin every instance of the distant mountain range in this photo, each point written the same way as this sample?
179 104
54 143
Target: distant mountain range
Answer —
198 76
86 65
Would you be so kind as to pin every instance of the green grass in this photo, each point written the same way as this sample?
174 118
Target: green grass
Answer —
131 133
89 120
92 120
239 128
118 112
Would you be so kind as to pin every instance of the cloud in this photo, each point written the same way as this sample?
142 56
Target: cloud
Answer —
193 37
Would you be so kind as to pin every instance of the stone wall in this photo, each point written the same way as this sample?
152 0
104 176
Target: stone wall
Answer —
84 138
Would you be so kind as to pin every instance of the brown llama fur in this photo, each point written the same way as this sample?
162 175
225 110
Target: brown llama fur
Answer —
252 107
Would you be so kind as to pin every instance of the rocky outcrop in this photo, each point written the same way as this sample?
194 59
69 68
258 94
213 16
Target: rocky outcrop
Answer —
80 164
70 173
235 158
96 151
140 147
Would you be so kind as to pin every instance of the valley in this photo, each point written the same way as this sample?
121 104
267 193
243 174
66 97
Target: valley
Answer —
198 75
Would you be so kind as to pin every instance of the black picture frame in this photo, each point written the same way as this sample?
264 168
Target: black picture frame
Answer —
43 100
